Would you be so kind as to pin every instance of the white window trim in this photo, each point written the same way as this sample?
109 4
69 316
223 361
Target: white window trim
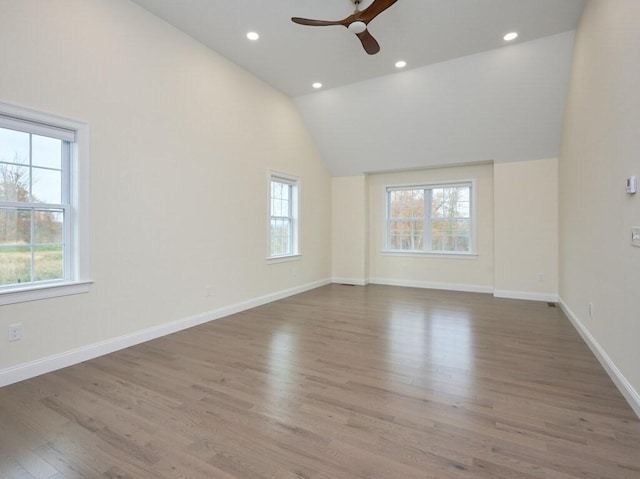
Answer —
473 240
79 200
296 253
432 254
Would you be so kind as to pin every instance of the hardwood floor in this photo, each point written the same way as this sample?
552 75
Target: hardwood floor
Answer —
340 382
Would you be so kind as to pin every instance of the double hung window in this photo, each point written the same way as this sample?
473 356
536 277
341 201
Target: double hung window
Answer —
283 218
39 224
431 219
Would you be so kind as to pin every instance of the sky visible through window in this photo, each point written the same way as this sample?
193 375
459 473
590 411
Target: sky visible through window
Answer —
46 158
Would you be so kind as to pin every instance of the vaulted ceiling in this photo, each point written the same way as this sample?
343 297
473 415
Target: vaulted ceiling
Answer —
465 95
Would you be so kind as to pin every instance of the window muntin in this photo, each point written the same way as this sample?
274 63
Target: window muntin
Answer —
35 204
432 218
283 210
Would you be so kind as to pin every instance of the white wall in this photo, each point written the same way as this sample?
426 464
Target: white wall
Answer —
503 105
526 229
181 142
350 230
473 273
600 148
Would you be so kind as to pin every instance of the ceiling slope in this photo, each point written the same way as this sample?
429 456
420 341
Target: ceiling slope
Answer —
502 105
291 57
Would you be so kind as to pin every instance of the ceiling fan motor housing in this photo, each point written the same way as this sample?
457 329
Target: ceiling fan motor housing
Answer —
357 27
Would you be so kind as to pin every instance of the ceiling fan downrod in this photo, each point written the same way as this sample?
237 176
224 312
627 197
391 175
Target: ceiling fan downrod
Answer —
357 26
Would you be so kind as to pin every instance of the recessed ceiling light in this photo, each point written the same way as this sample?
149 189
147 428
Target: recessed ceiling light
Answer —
317 85
253 36
510 36
401 64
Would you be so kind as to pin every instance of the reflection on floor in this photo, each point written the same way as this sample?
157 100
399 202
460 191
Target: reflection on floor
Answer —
340 382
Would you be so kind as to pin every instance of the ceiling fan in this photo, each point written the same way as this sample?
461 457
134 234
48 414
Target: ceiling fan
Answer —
356 23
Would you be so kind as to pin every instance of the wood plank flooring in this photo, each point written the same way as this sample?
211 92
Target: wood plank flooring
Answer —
340 382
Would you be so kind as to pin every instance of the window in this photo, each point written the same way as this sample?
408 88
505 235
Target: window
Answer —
40 214
431 219
283 216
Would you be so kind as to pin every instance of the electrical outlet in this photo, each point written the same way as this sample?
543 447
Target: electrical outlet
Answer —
541 277
15 332
590 309
208 291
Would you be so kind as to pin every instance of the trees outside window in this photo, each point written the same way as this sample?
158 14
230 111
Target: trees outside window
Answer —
432 218
33 206
283 216
43 205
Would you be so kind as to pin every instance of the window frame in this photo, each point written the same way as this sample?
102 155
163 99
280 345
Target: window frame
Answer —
75 183
294 213
427 219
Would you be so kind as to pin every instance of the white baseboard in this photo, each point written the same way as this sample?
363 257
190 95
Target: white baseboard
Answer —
546 297
469 288
625 387
354 281
68 358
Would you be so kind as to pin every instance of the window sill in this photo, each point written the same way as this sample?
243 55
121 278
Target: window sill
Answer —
430 254
43 291
283 259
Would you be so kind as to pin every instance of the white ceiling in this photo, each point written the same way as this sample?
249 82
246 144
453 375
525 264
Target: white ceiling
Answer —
291 57
503 105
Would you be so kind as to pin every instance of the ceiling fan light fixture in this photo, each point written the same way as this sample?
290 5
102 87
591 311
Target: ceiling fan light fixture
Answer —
357 27
401 64
317 85
510 36
253 36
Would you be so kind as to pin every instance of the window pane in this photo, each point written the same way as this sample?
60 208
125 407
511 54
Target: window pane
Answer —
284 208
46 186
450 235
49 226
14 183
406 235
280 237
464 194
440 227
14 146
406 203
15 264
279 208
437 242
463 209
48 263
280 190
15 226
460 202
280 199
46 152
461 227
451 202
461 243
437 203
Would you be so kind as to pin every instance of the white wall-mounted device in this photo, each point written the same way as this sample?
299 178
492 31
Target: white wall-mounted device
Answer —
632 185
635 236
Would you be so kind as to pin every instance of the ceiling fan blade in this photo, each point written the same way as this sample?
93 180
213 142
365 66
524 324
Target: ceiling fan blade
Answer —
375 9
315 23
370 44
